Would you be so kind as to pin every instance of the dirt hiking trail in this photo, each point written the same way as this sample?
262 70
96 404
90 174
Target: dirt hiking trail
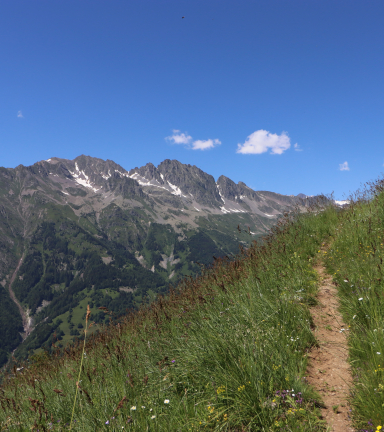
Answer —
328 371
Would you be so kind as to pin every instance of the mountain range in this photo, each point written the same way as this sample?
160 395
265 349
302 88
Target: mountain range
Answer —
87 231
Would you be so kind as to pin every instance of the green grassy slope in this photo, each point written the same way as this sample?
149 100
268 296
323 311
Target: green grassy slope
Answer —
355 260
224 351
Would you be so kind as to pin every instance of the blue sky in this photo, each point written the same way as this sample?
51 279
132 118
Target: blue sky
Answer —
231 88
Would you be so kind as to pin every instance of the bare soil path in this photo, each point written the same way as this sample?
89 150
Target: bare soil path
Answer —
329 372
27 320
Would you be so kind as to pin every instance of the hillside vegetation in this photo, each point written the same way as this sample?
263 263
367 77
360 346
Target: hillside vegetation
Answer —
355 259
225 351
87 231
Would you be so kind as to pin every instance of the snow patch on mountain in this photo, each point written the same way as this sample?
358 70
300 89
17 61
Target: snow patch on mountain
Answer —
145 182
168 186
176 190
341 202
106 177
231 210
83 182
221 196
86 183
119 172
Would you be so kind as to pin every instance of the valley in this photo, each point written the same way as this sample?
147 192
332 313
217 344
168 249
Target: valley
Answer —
88 231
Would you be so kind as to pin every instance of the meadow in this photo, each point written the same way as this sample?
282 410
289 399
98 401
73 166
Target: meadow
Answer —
225 351
355 259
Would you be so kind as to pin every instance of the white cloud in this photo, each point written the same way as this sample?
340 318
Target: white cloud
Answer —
205 144
297 147
344 166
184 138
20 114
261 141
179 138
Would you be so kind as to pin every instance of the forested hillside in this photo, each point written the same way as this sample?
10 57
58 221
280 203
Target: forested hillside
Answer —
89 232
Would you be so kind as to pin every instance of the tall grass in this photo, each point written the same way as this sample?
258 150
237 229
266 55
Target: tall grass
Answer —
356 262
226 351
81 366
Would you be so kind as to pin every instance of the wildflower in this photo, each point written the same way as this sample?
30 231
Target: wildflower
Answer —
107 422
378 353
166 401
133 408
153 417
361 298
221 389
143 407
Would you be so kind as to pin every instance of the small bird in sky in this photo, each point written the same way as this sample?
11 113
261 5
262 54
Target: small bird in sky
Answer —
182 17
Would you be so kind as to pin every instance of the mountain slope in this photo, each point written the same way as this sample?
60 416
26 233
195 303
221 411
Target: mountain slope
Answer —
90 231
226 351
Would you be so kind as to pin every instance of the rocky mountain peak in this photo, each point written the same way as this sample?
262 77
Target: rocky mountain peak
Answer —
235 192
173 183
191 180
147 172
